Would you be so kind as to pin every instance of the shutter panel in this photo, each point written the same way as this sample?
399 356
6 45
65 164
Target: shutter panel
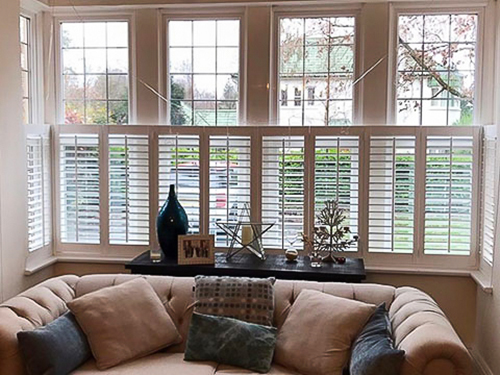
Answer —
391 194
179 164
229 181
283 194
39 197
128 189
336 176
448 195
79 188
490 193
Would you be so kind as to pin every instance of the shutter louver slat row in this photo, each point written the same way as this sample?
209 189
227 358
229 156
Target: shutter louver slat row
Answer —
229 188
391 194
336 177
448 195
128 189
283 190
179 164
490 192
39 201
79 188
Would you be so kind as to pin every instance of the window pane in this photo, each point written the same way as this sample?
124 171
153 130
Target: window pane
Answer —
95 72
316 65
436 66
26 72
203 61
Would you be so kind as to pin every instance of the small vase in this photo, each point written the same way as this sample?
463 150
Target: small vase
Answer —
172 222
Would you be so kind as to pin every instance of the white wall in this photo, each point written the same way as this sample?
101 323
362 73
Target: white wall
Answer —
13 239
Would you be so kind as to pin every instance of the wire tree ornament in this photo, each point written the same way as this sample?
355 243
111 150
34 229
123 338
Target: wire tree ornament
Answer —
330 235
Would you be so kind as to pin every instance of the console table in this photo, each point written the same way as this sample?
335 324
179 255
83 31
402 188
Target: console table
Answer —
247 265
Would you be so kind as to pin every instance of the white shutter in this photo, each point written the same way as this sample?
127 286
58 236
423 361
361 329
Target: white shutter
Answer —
79 188
39 201
283 190
336 176
179 164
391 194
229 181
489 195
128 189
448 195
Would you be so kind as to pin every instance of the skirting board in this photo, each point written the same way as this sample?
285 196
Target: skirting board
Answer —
482 367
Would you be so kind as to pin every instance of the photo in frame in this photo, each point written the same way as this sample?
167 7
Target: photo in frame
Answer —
196 249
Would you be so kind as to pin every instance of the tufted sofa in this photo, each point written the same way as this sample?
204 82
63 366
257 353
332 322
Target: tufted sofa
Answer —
420 327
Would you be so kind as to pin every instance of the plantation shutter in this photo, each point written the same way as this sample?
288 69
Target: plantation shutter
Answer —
283 193
179 164
229 188
448 195
39 196
79 188
391 194
490 194
336 176
128 189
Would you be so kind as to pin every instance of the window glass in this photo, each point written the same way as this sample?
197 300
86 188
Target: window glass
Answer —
436 69
26 72
95 71
203 64
316 57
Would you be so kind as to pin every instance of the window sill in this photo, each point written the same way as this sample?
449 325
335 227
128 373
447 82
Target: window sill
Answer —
32 269
483 281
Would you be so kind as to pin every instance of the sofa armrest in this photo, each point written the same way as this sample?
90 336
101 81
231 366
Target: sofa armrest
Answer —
424 332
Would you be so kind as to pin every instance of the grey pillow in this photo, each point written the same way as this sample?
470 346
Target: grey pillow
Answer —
231 342
56 349
243 298
373 351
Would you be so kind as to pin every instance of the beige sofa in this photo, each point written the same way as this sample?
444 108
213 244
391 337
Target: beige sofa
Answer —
420 327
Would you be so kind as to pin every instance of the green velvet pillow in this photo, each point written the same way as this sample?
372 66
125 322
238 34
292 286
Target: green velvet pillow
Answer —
230 341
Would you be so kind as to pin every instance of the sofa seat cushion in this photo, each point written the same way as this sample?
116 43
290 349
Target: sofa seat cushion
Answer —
231 370
155 364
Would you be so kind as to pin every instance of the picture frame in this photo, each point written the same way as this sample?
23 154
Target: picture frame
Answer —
196 249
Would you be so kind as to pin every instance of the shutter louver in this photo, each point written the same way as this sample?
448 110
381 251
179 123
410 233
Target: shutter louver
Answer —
283 193
79 188
179 164
336 176
391 194
448 195
39 201
229 182
490 194
128 190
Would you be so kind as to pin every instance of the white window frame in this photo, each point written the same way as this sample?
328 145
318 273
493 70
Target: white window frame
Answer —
340 10
180 14
68 16
402 9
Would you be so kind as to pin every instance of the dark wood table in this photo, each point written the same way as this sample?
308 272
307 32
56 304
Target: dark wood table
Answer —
352 271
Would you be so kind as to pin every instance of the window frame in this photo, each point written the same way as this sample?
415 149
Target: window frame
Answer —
92 17
182 14
402 9
280 12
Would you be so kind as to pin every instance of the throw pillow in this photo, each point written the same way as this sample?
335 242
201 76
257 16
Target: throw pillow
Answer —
57 348
124 322
373 352
243 298
317 335
231 342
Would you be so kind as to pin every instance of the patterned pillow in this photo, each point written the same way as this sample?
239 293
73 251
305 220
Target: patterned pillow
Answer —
243 298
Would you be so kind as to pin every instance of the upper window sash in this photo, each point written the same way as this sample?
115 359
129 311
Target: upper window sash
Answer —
204 68
437 79
93 70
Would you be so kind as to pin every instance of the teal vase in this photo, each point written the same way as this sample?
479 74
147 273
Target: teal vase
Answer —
172 221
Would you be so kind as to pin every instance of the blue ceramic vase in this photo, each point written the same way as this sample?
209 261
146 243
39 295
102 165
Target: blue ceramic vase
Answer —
172 221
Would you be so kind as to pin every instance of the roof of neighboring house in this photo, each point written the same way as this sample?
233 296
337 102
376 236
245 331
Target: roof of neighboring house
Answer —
225 117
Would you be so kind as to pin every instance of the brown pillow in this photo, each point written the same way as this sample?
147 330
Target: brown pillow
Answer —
317 335
124 322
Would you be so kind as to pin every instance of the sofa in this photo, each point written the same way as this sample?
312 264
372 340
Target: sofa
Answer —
420 327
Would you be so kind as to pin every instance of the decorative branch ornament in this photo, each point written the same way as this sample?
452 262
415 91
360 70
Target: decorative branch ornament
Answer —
330 236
